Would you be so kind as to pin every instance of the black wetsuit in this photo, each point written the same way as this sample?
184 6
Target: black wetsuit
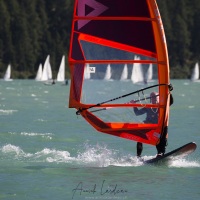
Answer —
151 117
152 114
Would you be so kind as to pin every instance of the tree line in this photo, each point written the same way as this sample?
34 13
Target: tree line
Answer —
181 21
32 29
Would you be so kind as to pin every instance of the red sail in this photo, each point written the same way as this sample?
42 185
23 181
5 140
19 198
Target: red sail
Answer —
116 38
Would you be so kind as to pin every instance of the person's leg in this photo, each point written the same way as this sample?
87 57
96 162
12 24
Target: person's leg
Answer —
139 149
161 147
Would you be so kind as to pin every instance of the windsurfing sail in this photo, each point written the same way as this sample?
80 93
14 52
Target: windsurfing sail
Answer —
113 33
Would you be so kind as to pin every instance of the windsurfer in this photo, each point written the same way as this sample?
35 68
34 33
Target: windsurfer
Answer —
151 117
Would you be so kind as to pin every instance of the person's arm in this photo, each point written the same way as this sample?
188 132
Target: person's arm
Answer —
139 111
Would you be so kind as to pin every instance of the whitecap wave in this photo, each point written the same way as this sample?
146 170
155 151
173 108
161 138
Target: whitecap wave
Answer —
13 150
43 135
7 112
52 155
45 102
10 88
191 106
41 120
46 155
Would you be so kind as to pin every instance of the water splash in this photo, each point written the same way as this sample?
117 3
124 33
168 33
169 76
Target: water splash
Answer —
184 163
87 156
102 156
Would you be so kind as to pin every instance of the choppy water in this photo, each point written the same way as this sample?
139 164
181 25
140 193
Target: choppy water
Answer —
46 152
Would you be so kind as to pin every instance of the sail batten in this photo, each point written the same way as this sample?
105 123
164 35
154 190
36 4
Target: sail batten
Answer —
114 18
115 40
118 61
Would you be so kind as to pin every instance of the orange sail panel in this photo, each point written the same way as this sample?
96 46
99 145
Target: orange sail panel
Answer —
119 68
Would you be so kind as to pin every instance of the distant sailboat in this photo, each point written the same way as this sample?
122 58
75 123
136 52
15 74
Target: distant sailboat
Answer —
195 73
8 74
61 71
47 72
149 74
39 73
87 72
124 75
137 72
108 73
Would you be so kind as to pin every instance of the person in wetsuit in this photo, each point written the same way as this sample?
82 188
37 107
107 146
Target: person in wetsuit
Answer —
152 118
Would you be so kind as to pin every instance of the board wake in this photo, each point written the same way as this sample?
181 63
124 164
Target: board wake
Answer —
179 152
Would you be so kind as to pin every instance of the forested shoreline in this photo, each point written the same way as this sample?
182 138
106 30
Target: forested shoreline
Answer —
32 29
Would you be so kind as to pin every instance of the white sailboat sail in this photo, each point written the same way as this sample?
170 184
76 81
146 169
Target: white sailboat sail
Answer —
46 73
87 72
149 73
39 73
108 73
124 75
61 71
49 71
8 74
195 73
137 72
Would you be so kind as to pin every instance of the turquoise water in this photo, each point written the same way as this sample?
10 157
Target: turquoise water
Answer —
47 152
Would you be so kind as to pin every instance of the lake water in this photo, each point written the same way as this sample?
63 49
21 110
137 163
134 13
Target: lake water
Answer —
47 152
